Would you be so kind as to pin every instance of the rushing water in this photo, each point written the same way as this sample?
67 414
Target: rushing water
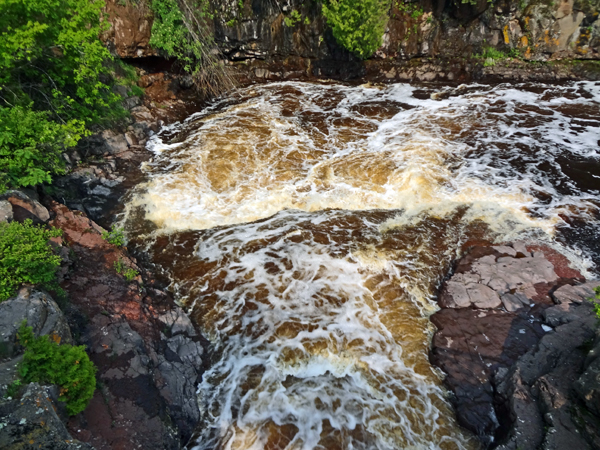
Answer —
306 228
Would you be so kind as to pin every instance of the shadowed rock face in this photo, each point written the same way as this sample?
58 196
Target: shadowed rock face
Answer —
255 34
510 332
32 422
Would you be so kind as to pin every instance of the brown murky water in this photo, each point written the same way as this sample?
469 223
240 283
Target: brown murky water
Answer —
306 228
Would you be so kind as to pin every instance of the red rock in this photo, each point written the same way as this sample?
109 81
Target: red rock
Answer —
471 344
560 262
124 337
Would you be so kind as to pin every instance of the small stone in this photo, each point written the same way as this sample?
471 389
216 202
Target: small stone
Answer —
6 211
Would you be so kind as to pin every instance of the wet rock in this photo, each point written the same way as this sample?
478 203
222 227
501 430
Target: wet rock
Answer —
179 366
512 367
25 205
108 142
469 346
42 314
588 384
31 422
543 379
177 321
148 355
575 294
6 212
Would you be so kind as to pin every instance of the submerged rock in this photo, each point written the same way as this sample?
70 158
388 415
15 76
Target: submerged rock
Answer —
510 333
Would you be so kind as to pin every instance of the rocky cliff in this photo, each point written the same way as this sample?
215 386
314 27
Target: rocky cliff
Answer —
283 39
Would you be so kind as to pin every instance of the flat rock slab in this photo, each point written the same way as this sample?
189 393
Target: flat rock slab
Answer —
498 305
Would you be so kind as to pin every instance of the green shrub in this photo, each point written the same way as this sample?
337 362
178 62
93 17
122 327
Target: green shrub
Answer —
45 361
128 272
114 237
491 55
293 18
184 34
595 300
26 256
31 145
51 56
358 25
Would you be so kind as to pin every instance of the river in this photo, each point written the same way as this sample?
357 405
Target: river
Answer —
305 227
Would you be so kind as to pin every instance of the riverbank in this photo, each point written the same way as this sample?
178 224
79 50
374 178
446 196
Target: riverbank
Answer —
517 338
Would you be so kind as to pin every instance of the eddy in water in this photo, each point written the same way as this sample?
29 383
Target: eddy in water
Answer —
306 228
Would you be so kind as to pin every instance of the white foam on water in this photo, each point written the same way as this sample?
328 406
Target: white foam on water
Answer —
254 159
319 311
310 322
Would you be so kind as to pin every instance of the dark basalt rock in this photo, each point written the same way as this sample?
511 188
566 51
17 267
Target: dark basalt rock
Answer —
31 422
511 335
148 354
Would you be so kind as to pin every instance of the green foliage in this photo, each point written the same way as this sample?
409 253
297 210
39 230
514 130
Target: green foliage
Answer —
293 18
31 145
130 274
51 57
358 25
54 83
14 388
472 2
183 33
411 9
596 302
45 361
119 266
491 55
127 272
114 237
26 256
171 35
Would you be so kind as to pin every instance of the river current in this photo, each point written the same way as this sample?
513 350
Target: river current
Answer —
306 227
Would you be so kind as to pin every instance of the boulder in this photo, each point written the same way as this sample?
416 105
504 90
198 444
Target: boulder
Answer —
25 205
42 314
31 422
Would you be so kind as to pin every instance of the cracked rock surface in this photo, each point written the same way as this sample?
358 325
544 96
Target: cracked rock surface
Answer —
512 339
